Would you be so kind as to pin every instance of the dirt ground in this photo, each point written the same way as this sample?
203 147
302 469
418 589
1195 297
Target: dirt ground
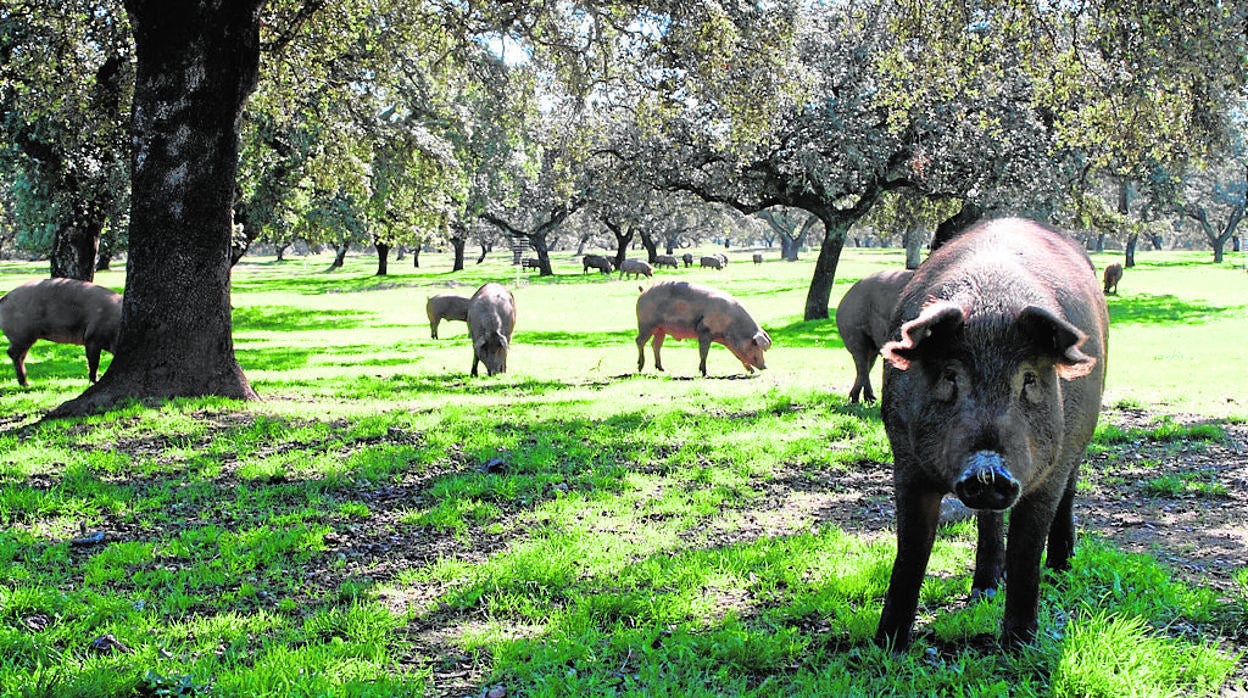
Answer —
1203 537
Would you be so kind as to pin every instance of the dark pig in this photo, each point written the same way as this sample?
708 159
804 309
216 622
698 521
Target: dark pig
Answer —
1113 274
446 306
491 319
687 259
666 260
992 387
714 262
862 319
594 261
684 310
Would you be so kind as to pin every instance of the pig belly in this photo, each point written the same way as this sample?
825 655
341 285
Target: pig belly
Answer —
681 331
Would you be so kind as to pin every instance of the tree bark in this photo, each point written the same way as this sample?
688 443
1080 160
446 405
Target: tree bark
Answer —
912 239
651 245
416 257
340 255
383 257
825 268
1129 258
458 245
197 62
74 249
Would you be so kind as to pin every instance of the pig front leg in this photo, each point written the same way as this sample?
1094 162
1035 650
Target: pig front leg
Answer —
93 360
1062 530
1030 520
918 512
989 554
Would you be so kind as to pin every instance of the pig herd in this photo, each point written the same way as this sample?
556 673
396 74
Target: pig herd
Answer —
994 356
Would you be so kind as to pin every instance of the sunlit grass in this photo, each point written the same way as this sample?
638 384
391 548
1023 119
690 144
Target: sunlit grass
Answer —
381 522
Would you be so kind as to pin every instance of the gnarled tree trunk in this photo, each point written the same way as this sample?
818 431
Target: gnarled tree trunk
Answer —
196 64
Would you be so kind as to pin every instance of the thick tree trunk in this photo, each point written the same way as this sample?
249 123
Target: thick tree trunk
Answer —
104 258
383 257
458 245
340 255
652 247
1129 257
825 269
621 246
74 250
196 64
538 242
912 239
281 251
416 257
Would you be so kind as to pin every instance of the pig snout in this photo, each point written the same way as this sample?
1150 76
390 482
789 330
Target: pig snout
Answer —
986 483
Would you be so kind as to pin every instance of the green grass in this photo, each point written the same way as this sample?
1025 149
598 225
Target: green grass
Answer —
381 524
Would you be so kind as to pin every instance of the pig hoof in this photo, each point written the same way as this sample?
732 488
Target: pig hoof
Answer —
983 594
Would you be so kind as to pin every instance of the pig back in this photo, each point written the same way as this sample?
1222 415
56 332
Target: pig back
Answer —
680 308
61 310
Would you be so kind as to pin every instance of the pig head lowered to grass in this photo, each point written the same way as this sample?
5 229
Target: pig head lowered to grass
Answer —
60 310
862 320
447 306
991 390
684 310
491 319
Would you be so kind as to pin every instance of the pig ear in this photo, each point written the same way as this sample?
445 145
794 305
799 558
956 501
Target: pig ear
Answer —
762 339
1058 339
937 316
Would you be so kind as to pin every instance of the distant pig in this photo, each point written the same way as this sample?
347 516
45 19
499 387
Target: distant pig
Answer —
687 259
596 261
992 386
666 260
862 320
447 306
758 258
491 319
684 310
67 311
1113 274
637 268
714 262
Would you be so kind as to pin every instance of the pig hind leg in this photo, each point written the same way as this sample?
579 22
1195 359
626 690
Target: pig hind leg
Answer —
864 352
17 351
1062 530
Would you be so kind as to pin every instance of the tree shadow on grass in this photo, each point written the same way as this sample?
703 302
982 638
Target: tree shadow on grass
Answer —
1143 308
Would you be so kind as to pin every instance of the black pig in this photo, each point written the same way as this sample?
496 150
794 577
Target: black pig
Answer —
992 388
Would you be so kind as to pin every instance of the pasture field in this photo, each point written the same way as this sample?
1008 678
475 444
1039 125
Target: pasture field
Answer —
381 524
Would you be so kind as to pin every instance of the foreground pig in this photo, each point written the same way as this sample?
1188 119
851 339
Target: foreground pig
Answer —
991 390
491 319
60 310
862 319
684 310
1113 274
447 306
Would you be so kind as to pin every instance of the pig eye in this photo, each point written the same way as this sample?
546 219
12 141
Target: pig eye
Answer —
1031 387
946 388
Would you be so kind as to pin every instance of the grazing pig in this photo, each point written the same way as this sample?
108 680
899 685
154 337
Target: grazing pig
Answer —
636 267
67 311
1113 274
666 260
447 306
712 262
758 258
594 261
687 259
862 320
531 263
992 386
491 319
684 310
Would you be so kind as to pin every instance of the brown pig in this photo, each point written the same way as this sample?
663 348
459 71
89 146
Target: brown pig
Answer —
862 320
637 268
992 386
684 310
1113 274
491 319
60 310
446 306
